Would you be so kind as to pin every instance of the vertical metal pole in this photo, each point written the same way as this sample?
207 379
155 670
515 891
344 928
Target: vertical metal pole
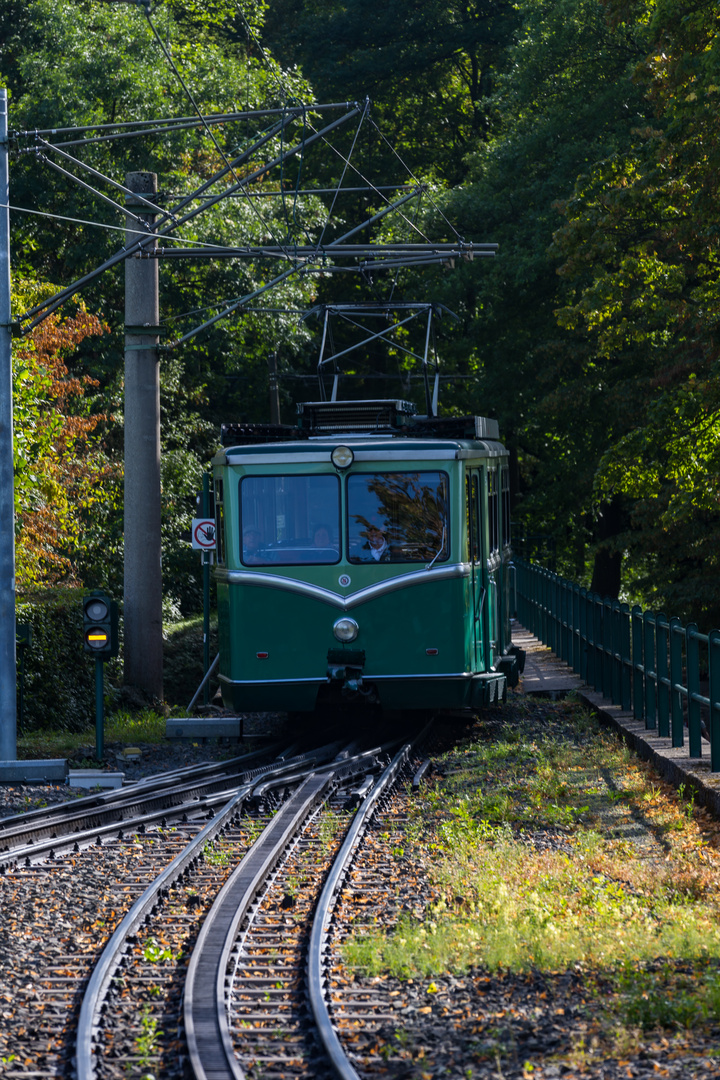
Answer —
206 592
99 710
274 389
663 677
692 660
677 635
143 577
638 665
21 695
714 695
8 687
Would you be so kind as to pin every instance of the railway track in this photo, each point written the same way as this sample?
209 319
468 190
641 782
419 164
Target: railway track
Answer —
171 943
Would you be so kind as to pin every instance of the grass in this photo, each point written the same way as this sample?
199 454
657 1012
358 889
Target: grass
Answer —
620 881
124 727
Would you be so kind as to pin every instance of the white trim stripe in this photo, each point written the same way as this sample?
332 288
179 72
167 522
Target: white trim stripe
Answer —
344 603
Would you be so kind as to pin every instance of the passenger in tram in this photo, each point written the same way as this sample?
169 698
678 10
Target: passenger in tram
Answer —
252 541
321 539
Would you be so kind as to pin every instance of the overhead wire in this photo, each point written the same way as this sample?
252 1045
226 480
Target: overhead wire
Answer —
345 169
237 189
373 187
410 173
216 144
54 302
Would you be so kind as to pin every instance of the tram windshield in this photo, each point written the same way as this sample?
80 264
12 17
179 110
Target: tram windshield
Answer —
398 517
288 520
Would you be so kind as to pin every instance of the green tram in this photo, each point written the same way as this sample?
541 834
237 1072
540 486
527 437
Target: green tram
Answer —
363 557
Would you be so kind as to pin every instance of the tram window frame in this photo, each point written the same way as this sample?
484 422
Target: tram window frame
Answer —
493 509
219 522
275 547
472 512
442 556
505 503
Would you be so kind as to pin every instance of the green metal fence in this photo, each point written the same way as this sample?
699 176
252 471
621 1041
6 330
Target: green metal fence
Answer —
663 672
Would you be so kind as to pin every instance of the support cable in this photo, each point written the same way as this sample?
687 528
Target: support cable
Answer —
375 189
55 301
410 173
345 169
137 197
88 187
255 209
185 87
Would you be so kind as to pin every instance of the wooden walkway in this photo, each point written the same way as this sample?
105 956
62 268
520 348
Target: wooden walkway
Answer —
544 673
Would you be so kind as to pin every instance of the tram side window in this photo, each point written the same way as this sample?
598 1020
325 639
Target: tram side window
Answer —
398 517
290 520
493 509
471 509
219 522
505 502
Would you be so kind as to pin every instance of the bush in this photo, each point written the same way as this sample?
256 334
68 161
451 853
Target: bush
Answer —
59 675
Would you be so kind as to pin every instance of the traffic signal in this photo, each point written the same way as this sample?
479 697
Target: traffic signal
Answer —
100 625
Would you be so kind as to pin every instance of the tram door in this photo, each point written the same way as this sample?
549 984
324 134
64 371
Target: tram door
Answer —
473 478
491 540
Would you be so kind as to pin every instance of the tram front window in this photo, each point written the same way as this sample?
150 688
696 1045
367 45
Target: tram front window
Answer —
290 520
398 517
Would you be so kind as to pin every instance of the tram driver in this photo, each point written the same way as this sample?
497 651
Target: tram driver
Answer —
377 548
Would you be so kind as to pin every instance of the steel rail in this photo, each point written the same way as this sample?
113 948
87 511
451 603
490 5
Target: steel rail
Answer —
158 781
210 1048
189 800
105 969
99 981
98 819
318 937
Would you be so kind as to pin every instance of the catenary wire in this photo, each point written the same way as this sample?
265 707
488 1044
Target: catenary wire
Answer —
410 173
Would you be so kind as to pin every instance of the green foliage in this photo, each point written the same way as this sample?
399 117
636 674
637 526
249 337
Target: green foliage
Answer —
429 68
59 676
640 261
67 63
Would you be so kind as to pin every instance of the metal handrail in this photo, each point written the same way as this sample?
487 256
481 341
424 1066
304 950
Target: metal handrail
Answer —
643 661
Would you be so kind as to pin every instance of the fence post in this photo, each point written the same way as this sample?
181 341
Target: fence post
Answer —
638 668
607 648
661 668
583 639
615 653
649 669
576 629
598 612
625 659
692 659
677 720
714 695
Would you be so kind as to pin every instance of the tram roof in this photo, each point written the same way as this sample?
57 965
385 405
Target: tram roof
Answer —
317 449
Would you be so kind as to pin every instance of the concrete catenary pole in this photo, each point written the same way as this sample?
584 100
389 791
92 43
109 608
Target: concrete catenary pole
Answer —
143 578
8 687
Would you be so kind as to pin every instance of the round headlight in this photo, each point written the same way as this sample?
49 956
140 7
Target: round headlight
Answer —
342 457
346 629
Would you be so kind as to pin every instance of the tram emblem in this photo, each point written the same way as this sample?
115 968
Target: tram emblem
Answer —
344 580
